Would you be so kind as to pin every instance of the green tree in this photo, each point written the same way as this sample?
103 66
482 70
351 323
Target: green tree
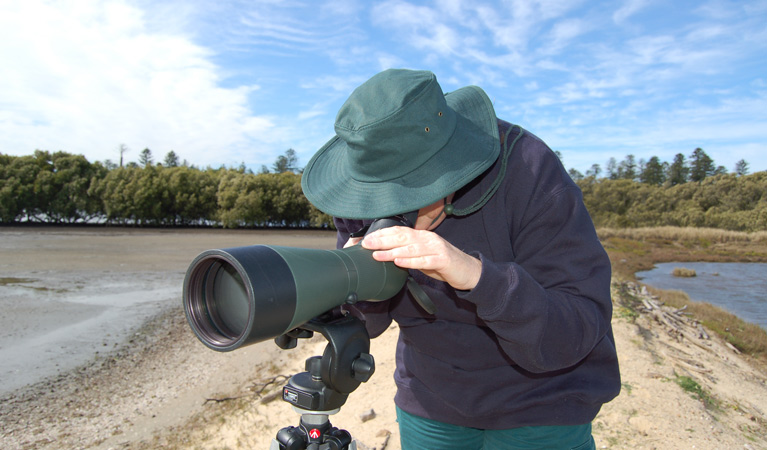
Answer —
286 163
145 157
240 200
611 169
149 199
741 168
117 192
575 174
627 169
594 171
701 165
653 172
171 159
62 188
17 186
678 171
607 200
192 195
289 206
136 196
720 170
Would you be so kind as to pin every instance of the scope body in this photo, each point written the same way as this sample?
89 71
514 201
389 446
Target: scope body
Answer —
243 295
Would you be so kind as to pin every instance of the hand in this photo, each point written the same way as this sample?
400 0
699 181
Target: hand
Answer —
425 251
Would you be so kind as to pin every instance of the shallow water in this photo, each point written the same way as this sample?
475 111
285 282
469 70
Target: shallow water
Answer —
53 322
740 288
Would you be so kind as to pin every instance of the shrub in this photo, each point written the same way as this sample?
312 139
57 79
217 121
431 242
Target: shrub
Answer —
684 273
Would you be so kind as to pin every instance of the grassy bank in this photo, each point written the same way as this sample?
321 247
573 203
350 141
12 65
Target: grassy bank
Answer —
638 249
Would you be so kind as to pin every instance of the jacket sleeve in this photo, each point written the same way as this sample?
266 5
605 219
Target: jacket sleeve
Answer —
375 315
551 306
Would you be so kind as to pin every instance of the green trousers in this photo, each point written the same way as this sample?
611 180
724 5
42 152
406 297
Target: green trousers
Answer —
418 433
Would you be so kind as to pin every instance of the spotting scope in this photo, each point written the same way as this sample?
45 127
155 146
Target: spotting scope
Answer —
243 295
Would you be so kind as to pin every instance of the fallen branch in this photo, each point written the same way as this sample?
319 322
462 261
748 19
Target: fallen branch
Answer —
265 399
275 379
224 399
732 347
702 332
687 364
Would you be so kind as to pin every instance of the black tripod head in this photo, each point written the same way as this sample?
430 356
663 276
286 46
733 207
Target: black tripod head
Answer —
327 382
345 364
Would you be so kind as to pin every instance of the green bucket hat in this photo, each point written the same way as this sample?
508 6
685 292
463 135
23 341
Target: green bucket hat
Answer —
401 144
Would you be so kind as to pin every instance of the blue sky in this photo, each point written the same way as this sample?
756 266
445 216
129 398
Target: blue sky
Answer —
233 81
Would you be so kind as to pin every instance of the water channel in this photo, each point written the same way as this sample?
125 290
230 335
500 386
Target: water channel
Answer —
739 288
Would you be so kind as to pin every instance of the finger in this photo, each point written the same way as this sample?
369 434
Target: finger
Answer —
386 238
418 255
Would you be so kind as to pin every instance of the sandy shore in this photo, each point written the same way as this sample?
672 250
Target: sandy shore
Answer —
152 378
162 389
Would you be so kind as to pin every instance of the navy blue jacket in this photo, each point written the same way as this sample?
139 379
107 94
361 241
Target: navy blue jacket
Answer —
532 343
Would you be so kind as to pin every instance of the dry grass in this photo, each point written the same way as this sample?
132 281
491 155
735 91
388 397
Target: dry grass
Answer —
703 235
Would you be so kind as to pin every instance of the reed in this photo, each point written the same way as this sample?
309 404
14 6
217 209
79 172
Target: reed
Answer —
683 272
680 234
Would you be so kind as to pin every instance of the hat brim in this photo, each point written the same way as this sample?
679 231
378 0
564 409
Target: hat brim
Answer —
472 148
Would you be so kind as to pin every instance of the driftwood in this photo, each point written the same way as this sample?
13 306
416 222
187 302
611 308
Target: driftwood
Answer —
687 363
732 347
677 321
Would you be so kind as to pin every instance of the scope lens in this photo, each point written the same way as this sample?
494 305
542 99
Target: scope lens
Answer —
217 302
227 300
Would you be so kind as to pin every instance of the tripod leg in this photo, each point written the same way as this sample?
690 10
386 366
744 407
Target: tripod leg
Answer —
289 438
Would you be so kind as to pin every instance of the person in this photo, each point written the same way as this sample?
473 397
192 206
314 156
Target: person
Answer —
519 352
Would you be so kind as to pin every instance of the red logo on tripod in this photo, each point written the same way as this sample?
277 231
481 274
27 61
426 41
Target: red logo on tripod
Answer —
315 433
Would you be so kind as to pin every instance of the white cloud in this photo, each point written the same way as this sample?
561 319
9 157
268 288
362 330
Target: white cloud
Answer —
334 9
290 28
85 77
629 8
388 61
416 23
562 35
507 33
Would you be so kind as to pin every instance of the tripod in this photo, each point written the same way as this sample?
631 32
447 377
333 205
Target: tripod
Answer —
324 387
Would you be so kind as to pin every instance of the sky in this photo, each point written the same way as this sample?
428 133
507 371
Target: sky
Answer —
233 82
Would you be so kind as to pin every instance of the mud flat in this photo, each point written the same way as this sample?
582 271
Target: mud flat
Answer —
93 337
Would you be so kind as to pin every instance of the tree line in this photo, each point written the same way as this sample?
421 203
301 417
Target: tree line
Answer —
656 172
63 188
